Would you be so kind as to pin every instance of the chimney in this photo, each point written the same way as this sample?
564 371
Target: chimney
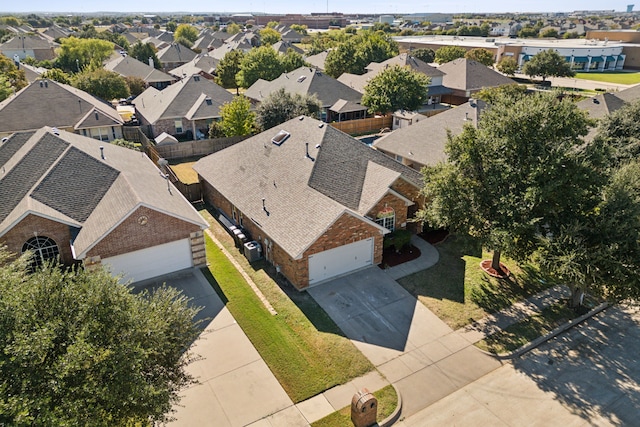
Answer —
102 152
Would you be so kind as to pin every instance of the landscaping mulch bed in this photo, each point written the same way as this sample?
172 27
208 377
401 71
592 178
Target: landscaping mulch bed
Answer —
486 266
434 236
391 258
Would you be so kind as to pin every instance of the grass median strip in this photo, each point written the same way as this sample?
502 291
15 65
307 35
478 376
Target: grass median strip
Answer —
304 349
387 402
458 291
515 336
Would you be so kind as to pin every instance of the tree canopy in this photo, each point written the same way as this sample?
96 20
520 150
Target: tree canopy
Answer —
143 51
481 55
186 31
269 36
508 66
358 51
228 68
291 60
12 78
424 54
74 54
237 119
281 106
102 83
620 131
78 348
524 172
396 88
548 63
449 53
259 63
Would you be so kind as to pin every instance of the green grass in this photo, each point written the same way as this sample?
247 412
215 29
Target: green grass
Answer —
521 333
458 291
620 77
302 346
387 402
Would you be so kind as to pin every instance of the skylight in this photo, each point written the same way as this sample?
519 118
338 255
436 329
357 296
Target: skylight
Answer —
280 137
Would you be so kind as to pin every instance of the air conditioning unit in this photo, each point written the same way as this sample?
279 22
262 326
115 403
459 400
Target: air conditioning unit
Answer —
253 251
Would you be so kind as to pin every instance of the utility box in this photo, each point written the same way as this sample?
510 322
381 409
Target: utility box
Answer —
252 251
364 409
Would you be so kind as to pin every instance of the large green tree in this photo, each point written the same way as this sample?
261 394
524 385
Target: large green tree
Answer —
228 68
79 349
508 65
354 54
481 55
396 88
74 54
424 54
186 31
524 172
449 53
259 63
548 63
620 131
291 60
269 36
599 252
102 83
56 74
237 119
14 77
281 106
143 51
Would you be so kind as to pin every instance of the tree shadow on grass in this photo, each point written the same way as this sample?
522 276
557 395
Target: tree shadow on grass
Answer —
592 369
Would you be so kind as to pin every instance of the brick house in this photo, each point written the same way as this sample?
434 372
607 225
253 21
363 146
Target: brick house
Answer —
49 103
318 201
466 77
64 195
188 106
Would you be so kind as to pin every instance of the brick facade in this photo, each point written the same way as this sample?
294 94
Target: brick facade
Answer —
347 229
398 205
33 225
131 236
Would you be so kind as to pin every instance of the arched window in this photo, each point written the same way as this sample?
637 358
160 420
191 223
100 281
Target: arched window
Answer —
43 248
387 218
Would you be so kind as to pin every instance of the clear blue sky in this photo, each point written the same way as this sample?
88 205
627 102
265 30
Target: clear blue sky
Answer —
302 6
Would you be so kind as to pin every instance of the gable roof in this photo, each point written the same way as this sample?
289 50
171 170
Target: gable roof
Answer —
406 60
306 81
201 63
128 66
176 52
302 195
467 75
62 176
317 60
601 105
424 142
49 103
283 46
183 99
27 42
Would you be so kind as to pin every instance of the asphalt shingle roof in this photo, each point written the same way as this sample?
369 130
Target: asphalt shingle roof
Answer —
128 66
302 196
464 74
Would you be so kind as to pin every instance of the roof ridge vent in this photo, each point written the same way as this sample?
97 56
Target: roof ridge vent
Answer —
280 137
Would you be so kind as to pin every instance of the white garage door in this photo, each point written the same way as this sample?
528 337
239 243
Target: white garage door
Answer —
340 260
151 262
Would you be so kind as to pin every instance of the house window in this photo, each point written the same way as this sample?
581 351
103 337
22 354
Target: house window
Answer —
178 124
398 158
43 248
234 214
387 218
241 219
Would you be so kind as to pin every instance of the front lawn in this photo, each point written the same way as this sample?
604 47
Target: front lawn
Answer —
620 77
302 346
458 291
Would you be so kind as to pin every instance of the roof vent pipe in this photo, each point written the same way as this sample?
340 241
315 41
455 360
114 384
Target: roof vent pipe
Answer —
102 152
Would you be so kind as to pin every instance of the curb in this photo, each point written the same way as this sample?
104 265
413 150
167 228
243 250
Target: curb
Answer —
540 340
395 415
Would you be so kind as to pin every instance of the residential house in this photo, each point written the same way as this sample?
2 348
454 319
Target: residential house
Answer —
65 196
317 201
423 143
466 77
128 66
25 45
184 109
309 81
317 61
282 47
203 65
174 56
49 103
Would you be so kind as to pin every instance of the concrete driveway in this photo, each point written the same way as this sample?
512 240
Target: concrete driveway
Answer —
235 388
408 344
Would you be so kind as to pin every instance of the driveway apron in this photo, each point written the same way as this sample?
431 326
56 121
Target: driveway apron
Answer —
411 346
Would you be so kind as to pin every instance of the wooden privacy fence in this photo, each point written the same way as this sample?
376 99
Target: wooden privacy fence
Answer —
364 126
199 148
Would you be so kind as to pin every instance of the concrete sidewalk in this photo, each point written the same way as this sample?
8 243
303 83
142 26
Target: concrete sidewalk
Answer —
429 256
